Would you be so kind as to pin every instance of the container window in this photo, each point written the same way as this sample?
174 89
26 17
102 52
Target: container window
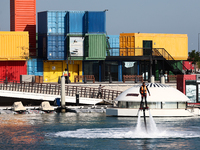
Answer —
182 105
169 105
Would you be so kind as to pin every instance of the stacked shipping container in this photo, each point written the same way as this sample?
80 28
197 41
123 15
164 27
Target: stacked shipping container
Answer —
23 18
72 35
13 54
51 35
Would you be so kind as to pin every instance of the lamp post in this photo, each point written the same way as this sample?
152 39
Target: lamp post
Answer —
198 42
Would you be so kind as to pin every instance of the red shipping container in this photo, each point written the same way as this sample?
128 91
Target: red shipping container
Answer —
181 81
12 70
23 18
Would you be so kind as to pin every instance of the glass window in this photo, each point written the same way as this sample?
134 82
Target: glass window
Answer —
129 68
169 105
135 105
190 89
111 67
122 104
182 105
92 68
154 105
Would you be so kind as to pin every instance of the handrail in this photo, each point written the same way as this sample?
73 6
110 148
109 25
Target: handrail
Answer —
55 89
162 52
168 57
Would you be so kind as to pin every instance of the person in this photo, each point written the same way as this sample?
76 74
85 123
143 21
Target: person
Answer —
143 92
65 73
100 91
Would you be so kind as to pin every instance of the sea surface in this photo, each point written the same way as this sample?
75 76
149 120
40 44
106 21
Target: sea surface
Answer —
96 131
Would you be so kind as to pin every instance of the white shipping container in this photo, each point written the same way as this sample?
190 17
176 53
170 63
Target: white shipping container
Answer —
77 46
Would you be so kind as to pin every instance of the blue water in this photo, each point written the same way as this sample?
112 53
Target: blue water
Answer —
95 131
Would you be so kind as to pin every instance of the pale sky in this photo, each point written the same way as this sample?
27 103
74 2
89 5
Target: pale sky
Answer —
130 16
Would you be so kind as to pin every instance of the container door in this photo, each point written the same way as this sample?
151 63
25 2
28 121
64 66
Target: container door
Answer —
55 71
75 72
52 22
147 48
52 71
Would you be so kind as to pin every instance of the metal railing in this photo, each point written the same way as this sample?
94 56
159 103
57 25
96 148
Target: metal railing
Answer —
116 51
55 89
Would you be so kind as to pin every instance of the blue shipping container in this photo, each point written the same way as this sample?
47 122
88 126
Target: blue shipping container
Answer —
35 66
52 22
76 22
52 47
113 45
96 21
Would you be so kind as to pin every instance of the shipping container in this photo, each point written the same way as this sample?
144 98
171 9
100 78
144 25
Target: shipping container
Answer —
75 68
23 18
12 70
95 46
53 70
96 21
76 22
52 47
175 44
127 44
14 45
112 45
52 22
35 66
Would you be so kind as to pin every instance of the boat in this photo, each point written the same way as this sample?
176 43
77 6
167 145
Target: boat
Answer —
164 101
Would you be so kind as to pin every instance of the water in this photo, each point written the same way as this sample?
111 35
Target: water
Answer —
96 131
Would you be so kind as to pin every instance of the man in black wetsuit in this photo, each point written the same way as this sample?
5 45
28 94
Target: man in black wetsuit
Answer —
143 92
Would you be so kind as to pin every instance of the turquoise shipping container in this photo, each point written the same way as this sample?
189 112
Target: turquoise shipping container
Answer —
52 22
35 66
112 45
76 22
52 47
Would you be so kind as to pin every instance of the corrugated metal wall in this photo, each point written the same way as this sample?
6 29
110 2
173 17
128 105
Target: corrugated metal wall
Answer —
112 45
14 45
95 46
127 44
96 21
52 47
76 22
35 66
52 22
23 18
12 70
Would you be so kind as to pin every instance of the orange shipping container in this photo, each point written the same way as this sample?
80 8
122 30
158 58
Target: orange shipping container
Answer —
14 45
23 18
127 44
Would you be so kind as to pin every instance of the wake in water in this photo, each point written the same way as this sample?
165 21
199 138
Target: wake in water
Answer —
119 133
129 132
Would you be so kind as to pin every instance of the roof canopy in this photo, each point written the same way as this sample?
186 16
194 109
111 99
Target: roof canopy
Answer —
159 93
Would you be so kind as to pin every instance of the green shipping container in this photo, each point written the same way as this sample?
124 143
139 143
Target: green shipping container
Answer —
95 46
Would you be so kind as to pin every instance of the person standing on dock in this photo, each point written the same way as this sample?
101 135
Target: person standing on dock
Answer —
100 91
65 73
143 92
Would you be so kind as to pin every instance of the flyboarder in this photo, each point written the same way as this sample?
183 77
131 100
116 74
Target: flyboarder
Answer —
143 92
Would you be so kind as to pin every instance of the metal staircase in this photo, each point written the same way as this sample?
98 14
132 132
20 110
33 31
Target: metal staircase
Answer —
175 66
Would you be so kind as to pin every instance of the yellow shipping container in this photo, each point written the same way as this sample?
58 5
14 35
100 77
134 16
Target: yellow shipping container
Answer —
175 44
54 69
14 45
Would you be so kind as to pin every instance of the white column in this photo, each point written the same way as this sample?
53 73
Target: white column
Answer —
63 92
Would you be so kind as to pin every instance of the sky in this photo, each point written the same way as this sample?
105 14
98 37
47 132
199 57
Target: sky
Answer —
130 16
